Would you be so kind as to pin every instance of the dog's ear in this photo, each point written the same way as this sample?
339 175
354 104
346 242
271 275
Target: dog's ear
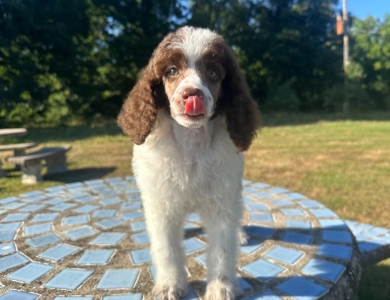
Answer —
242 114
139 112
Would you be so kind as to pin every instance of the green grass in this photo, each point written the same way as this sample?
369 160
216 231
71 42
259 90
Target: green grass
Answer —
341 161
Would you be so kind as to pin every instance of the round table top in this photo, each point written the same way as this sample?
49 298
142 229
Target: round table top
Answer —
12 132
89 240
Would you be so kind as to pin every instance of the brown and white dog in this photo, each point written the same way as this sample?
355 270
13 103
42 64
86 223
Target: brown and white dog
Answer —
191 116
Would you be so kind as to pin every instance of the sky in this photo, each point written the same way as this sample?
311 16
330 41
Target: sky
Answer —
364 8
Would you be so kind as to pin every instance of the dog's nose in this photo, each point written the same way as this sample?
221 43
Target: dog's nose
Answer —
189 91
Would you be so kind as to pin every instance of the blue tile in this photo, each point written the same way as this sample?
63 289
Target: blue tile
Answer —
32 207
78 195
131 205
202 259
36 229
95 257
298 224
75 185
379 230
118 279
62 206
283 254
80 232
13 260
141 238
17 295
104 213
293 212
7 236
192 245
247 199
86 208
279 190
55 201
191 294
260 185
30 272
86 199
190 226
33 199
262 269
7 248
302 288
10 226
256 206
59 252
138 226
297 238
262 195
8 200
31 194
15 217
243 284
69 279
124 297
132 215
13 205
310 204
267 295
251 247
43 240
295 196
109 223
114 179
2 211
332 224
136 197
282 202
261 217
140 256
152 271
323 213
72 298
323 269
105 194
55 188
337 251
259 231
110 201
94 182
246 182
193 218
44 217
108 238
337 236
368 246
75 220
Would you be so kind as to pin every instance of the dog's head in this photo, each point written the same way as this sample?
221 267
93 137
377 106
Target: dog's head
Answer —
193 74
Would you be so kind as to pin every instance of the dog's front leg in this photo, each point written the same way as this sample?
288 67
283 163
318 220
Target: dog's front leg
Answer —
166 234
222 254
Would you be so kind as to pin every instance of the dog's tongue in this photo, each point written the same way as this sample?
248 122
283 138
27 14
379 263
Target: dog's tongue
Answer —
194 106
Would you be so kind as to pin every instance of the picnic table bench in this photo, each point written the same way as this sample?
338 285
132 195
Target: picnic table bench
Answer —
18 149
31 163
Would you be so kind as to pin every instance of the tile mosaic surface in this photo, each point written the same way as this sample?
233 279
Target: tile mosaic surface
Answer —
76 233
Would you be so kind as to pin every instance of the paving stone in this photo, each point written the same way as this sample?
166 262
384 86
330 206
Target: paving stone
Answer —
30 272
69 279
118 279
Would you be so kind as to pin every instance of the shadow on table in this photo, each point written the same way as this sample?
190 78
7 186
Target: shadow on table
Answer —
81 174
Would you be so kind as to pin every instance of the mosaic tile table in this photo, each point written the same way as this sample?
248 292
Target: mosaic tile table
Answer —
88 241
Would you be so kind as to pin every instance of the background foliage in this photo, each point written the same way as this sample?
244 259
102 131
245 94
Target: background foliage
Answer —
63 61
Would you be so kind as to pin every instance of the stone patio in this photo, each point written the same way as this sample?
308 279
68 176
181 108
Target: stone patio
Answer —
87 240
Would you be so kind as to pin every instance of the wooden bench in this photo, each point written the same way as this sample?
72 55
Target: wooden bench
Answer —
18 149
31 163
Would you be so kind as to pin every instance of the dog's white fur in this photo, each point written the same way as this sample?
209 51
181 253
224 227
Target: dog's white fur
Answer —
184 168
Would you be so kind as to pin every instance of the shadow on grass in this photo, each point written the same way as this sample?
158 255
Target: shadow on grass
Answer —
374 284
81 174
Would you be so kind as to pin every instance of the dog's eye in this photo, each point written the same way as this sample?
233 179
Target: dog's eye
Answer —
173 72
212 74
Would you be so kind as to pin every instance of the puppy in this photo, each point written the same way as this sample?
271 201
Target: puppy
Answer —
190 117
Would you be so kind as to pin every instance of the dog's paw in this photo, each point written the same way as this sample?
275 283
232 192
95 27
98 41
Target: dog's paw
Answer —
243 238
220 289
173 292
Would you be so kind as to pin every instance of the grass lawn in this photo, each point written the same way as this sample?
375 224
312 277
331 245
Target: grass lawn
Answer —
343 162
